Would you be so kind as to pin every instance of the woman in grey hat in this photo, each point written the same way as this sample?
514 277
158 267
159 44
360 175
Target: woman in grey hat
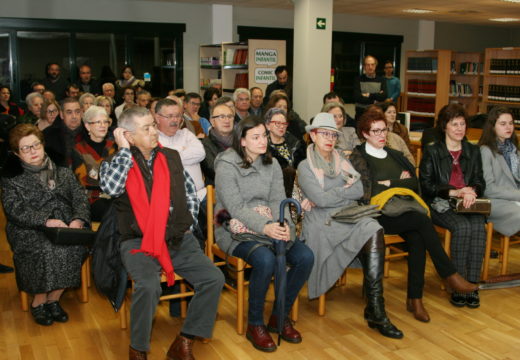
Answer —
329 182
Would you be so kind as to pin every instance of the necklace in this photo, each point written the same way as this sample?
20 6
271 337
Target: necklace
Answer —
455 156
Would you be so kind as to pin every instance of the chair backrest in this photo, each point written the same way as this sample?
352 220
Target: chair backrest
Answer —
210 207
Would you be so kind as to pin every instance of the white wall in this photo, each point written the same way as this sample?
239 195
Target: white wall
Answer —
474 38
197 18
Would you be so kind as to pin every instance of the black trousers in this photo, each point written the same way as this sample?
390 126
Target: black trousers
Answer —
418 231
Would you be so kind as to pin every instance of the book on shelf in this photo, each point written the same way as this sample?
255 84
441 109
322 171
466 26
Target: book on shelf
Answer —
210 60
460 89
470 68
235 56
241 81
422 87
507 93
504 66
422 65
421 106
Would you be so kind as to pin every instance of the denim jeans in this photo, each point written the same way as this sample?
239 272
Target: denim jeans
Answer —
300 259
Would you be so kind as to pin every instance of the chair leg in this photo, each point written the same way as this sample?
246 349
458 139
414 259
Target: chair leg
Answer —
123 317
321 305
89 262
344 278
24 300
84 283
487 253
240 297
386 271
294 310
505 254
184 303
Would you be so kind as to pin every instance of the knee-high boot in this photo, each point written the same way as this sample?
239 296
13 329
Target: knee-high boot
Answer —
372 257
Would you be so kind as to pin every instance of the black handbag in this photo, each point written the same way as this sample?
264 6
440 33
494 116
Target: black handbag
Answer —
70 236
480 206
353 213
399 204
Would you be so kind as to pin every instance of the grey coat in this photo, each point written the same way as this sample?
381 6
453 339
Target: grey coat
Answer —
335 245
40 265
501 188
239 190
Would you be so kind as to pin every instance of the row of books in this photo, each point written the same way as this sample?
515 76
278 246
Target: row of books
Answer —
204 83
504 93
420 106
422 87
504 66
468 68
460 89
241 81
422 65
235 56
210 60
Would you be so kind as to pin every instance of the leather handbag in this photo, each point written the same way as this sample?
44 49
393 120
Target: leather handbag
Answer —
353 213
70 236
481 206
399 204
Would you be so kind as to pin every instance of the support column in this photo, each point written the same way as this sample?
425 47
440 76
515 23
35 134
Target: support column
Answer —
312 55
221 23
426 36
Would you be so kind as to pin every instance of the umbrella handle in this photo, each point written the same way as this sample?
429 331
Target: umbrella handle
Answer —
282 208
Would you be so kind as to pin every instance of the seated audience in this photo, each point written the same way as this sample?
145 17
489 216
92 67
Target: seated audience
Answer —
395 126
48 114
128 101
257 101
501 167
209 99
452 167
7 106
34 103
283 146
154 239
220 138
329 183
382 169
347 137
86 82
296 124
72 90
191 113
54 80
128 79
37 86
242 98
86 100
109 90
143 98
107 103
48 95
249 182
36 193
88 155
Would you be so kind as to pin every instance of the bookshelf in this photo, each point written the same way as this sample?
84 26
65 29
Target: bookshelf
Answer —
427 84
502 80
241 64
466 72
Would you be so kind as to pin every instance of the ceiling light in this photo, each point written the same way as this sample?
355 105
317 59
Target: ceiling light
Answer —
513 1
505 19
418 11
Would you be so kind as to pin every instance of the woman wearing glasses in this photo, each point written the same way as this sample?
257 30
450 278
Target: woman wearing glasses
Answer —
88 155
38 194
452 167
347 137
284 146
48 114
382 169
329 183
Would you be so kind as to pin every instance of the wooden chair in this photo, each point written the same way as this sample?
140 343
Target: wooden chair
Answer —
391 252
237 263
183 294
446 234
503 250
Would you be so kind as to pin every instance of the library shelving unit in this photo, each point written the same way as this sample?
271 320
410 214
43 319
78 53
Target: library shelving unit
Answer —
502 80
466 74
427 84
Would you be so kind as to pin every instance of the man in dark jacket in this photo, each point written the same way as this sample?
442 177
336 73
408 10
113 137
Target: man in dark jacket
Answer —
86 82
157 207
55 81
281 83
369 88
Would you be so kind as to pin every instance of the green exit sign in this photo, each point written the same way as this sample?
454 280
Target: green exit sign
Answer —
321 23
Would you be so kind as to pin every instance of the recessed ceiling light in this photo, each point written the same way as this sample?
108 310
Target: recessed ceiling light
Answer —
505 19
513 1
418 11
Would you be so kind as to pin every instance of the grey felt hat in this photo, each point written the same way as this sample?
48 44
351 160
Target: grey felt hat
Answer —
323 121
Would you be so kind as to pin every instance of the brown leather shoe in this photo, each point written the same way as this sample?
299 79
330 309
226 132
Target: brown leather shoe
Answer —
180 349
289 333
416 307
260 338
458 284
136 354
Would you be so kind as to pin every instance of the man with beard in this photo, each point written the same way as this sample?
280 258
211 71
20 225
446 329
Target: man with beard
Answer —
55 81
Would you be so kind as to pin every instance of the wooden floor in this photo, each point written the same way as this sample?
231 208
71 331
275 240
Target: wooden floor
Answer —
490 332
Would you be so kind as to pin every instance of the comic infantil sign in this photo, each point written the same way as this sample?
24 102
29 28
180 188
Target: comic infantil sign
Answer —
264 75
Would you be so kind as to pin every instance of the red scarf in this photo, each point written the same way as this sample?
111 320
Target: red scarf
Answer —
152 214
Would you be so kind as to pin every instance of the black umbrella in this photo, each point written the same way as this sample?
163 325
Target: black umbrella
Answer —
280 274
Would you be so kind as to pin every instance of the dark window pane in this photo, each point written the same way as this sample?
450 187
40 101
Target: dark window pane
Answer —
5 71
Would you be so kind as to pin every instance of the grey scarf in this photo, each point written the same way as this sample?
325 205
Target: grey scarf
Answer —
46 172
508 150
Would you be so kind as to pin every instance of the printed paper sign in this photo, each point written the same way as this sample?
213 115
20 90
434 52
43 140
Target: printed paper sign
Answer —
266 56
264 75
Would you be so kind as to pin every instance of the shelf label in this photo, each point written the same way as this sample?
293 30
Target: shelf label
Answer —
321 23
264 75
266 56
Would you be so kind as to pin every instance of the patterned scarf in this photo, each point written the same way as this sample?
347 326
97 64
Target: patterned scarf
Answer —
337 166
46 172
508 150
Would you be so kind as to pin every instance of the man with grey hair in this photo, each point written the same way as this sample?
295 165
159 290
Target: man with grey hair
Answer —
109 90
143 98
34 103
156 217
242 98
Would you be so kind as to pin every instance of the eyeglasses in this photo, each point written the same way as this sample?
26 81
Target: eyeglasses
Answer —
280 123
52 111
222 117
27 148
99 122
331 135
170 117
378 132
194 103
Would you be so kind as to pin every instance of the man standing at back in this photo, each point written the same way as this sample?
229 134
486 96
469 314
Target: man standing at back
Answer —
281 83
54 80
86 82
368 88
157 208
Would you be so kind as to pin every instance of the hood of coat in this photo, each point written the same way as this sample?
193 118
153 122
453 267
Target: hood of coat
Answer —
230 156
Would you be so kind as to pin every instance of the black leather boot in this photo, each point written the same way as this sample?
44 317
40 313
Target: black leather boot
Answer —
373 257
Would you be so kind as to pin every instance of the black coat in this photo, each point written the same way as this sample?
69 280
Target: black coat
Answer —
436 165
